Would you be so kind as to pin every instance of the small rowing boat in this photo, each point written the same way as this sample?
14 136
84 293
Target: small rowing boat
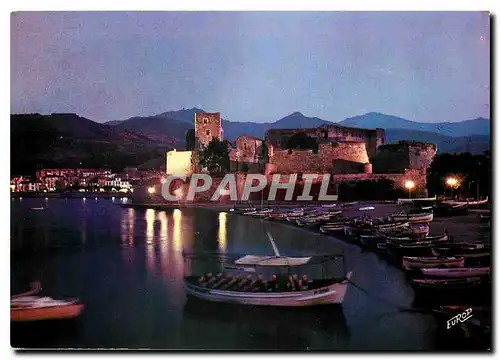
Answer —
414 218
413 262
450 284
457 272
26 307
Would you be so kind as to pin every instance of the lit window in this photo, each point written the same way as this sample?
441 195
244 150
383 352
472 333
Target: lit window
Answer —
208 132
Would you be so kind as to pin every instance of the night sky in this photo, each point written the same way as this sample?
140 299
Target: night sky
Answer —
428 67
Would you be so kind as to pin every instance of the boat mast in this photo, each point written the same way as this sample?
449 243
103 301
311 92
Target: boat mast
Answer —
273 244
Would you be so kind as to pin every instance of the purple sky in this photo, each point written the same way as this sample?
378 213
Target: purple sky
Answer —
428 67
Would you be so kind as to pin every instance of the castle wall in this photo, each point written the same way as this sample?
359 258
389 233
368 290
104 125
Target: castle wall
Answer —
395 158
207 126
338 157
372 138
179 163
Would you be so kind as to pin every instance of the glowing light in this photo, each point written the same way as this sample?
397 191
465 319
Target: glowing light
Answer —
222 231
151 190
452 182
163 180
409 184
84 198
113 198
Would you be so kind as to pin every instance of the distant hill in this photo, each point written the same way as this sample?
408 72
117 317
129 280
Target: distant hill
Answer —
68 140
475 144
479 126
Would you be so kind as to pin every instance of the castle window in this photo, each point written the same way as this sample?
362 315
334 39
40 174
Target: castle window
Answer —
205 121
245 146
208 132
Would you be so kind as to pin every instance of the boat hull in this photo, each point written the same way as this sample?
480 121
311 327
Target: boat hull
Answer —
331 294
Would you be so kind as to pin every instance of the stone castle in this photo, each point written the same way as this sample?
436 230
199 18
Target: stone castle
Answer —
347 153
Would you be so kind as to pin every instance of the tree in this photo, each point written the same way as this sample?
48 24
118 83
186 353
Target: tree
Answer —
215 156
190 140
473 172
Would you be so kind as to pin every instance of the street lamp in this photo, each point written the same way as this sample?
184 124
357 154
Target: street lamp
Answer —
409 184
452 182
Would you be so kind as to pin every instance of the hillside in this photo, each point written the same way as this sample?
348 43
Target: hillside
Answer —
67 140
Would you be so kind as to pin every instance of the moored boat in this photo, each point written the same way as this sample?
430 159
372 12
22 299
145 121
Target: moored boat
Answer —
280 289
414 218
27 307
419 262
457 272
450 284
421 240
406 201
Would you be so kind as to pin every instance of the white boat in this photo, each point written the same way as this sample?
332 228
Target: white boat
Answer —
457 272
313 292
414 218
469 203
38 208
410 263
239 284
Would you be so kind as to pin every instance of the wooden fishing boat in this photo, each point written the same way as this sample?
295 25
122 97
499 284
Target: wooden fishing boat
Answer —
242 210
449 284
237 282
280 290
457 272
414 218
371 240
325 229
447 209
403 201
419 262
391 226
422 240
26 307
414 245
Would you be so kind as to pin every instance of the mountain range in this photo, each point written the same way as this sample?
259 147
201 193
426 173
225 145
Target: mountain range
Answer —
464 136
62 140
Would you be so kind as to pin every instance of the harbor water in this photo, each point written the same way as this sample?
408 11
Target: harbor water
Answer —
126 265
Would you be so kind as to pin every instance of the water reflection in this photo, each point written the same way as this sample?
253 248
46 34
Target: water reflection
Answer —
323 327
162 217
177 230
150 222
150 248
222 238
131 219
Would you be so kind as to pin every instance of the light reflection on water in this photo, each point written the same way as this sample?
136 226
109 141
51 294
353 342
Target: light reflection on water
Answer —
222 238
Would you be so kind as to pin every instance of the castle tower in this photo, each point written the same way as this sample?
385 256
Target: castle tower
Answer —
206 127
